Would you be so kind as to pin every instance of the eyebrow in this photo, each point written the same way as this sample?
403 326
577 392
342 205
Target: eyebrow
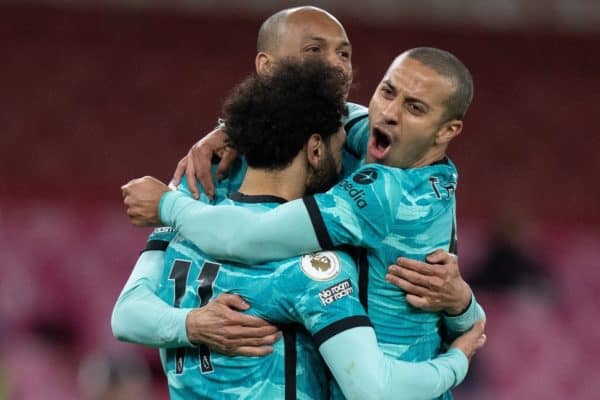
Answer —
412 98
389 83
406 98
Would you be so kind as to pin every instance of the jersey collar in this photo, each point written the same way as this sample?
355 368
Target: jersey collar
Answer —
244 198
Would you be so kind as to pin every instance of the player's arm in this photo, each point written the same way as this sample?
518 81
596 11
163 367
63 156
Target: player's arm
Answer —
458 324
141 196
197 165
323 294
355 215
363 372
231 233
139 315
437 286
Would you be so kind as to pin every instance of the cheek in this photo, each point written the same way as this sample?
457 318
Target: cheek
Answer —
337 157
418 143
348 69
373 106
407 139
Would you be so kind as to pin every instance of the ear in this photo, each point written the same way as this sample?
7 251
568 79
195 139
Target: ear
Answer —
263 63
449 131
315 150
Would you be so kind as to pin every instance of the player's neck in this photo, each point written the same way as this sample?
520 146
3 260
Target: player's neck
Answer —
431 157
285 183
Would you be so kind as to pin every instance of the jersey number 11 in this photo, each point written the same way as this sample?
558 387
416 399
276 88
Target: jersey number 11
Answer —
179 274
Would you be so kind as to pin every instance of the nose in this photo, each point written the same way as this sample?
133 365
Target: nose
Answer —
390 113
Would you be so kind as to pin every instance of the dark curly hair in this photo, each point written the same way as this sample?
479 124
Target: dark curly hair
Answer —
270 118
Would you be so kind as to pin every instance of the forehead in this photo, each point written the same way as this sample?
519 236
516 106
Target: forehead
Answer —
412 78
303 25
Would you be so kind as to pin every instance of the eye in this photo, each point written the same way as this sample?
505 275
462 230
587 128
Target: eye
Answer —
416 108
344 54
387 92
313 49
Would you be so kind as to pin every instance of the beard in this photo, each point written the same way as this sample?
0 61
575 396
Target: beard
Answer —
323 177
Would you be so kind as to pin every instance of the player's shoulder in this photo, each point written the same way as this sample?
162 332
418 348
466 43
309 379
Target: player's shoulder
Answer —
368 174
442 172
325 266
223 187
373 173
444 167
164 234
355 111
317 269
184 188
328 276
380 184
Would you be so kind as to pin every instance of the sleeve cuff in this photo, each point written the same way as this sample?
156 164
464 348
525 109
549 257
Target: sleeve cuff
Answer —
463 321
179 326
166 206
465 310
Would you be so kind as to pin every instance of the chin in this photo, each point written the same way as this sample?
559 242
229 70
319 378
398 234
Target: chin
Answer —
371 159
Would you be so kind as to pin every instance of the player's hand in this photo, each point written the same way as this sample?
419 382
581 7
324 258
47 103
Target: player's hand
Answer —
141 197
472 340
432 286
223 328
197 163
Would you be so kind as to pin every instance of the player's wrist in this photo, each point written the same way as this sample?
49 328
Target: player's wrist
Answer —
165 206
191 326
462 304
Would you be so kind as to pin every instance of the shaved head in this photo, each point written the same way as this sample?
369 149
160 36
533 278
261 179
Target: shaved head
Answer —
303 33
270 31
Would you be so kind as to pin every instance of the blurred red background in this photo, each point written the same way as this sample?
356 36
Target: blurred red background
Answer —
90 98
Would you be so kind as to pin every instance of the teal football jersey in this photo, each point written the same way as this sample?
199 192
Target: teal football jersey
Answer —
223 187
392 212
352 154
356 125
312 298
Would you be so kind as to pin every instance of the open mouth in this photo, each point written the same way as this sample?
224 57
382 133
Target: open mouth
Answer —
379 144
382 140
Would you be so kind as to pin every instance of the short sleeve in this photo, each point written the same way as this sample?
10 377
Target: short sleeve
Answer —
322 293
